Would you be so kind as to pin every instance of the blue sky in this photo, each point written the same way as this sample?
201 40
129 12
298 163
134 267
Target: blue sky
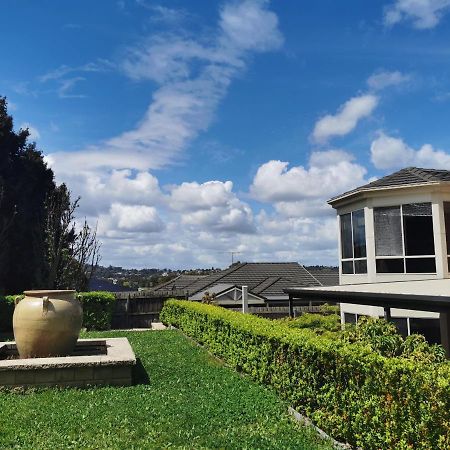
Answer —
191 129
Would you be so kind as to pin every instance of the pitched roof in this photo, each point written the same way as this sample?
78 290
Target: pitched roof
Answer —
261 278
404 177
325 276
178 283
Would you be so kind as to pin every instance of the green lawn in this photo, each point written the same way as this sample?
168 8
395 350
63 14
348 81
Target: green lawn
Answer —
189 401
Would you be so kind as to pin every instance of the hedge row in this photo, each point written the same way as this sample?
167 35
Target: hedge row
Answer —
98 308
353 394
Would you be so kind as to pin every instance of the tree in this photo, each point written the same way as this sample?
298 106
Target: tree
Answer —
25 182
72 256
40 246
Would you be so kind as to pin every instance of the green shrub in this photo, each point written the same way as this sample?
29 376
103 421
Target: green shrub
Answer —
352 393
383 337
98 308
317 322
6 312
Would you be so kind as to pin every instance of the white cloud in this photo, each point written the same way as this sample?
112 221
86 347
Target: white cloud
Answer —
212 205
34 132
346 119
389 152
133 218
329 173
195 196
250 26
384 79
423 14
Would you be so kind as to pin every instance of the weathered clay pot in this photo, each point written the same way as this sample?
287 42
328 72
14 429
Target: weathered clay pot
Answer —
47 323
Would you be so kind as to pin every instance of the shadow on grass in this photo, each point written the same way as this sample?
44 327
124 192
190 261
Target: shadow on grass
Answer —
140 375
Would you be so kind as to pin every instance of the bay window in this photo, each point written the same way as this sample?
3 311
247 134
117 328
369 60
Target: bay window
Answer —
353 243
404 240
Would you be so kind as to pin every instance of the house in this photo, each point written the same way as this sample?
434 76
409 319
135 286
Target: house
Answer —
266 283
394 247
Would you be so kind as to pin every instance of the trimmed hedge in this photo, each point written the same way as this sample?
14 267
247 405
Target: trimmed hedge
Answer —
98 308
355 395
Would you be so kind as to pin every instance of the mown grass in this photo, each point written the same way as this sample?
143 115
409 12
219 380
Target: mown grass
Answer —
188 401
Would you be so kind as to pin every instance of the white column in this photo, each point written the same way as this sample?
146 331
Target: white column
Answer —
440 243
244 299
370 244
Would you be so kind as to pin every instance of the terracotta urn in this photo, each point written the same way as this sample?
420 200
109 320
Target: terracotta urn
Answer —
47 323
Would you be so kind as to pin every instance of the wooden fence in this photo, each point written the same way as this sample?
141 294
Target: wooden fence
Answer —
140 309
276 312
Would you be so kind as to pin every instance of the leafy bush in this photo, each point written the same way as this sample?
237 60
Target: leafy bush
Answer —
317 322
98 308
6 312
354 394
382 336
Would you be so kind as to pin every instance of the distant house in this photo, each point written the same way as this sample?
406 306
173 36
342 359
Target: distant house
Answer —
394 247
99 284
266 283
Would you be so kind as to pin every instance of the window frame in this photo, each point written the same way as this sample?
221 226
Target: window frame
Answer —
352 259
404 257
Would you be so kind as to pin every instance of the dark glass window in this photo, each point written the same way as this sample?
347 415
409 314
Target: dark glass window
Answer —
353 242
347 267
390 265
360 266
346 236
388 231
359 234
447 225
418 238
420 265
418 229
349 318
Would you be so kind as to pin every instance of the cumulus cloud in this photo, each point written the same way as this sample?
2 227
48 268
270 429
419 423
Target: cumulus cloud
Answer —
389 152
423 14
212 205
383 79
346 119
329 173
133 218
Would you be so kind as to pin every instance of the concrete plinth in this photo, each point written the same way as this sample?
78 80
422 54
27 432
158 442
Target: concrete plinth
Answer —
93 362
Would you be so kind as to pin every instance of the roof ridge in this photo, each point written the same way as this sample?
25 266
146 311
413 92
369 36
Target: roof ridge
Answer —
311 274
222 275
422 173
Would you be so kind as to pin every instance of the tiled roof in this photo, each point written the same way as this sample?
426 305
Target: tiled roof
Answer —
261 278
179 283
326 277
403 177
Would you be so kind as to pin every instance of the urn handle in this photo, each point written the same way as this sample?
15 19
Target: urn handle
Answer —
17 299
45 303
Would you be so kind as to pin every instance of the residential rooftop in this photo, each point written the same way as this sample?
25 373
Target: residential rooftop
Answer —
409 176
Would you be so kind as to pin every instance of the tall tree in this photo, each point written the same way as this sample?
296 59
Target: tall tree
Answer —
26 182
40 245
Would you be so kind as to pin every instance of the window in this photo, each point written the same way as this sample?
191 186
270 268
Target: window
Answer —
447 230
353 243
404 241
